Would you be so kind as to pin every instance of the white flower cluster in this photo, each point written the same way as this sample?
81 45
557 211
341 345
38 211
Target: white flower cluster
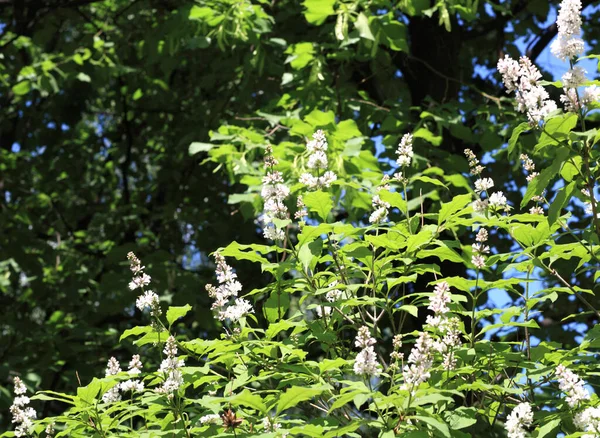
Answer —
419 364
135 368
446 326
334 294
396 355
112 369
381 210
405 151
210 419
529 166
573 100
474 167
270 425
571 385
318 160
366 361
148 299
522 77
228 288
301 212
170 366
568 44
588 205
22 415
588 421
520 418
480 249
495 202
274 192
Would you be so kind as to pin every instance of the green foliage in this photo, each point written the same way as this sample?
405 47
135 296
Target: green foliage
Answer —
143 126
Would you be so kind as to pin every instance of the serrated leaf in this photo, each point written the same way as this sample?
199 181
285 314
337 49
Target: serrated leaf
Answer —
196 147
561 200
246 398
317 11
319 202
176 312
457 204
514 137
295 395
362 25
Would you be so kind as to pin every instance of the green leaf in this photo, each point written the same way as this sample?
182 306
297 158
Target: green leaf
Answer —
449 209
435 423
295 395
310 253
318 118
462 417
135 331
176 312
540 182
562 198
548 429
514 137
274 307
88 393
429 180
319 202
317 11
394 199
83 77
428 136
246 398
21 88
196 147
362 25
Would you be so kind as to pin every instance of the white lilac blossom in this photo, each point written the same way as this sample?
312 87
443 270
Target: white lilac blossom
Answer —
366 361
323 310
405 151
419 364
22 415
474 167
170 367
49 429
529 166
135 368
226 291
270 425
396 356
334 294
497 201
574 77
480 249
210 419
588 420
317 159
148 299
438 303
588 205
522 77
483 184
571 385
273 192
381 210
447 327
520 418
301 213
568 43
112 369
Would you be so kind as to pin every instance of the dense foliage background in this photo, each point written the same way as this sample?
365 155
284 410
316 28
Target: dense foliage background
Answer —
140 126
